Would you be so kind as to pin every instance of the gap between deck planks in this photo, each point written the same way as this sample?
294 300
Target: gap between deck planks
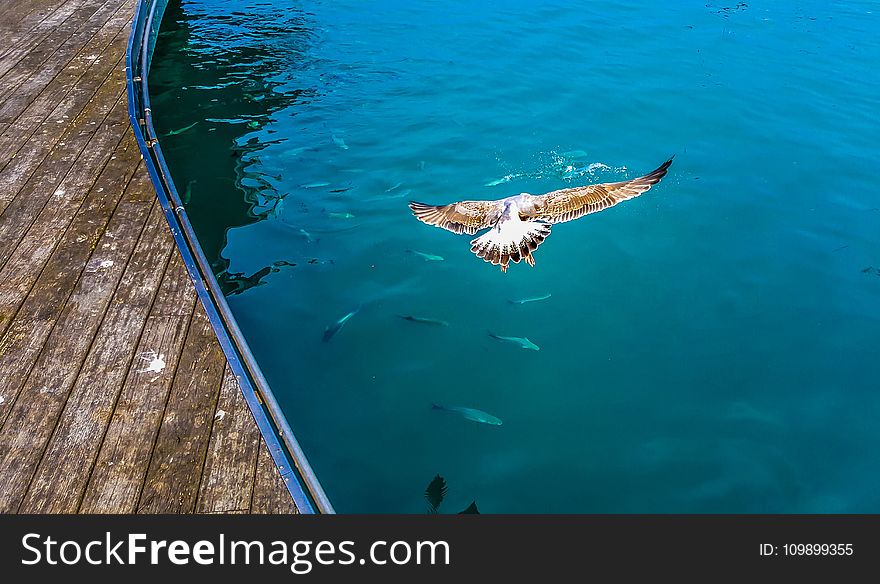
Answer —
114 394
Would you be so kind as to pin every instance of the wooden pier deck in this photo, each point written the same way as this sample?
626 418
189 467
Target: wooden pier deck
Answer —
114 394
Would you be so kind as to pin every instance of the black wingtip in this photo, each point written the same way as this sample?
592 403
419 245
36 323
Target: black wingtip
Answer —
660 171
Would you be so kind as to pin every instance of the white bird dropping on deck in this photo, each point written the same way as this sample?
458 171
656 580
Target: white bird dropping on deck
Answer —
155 363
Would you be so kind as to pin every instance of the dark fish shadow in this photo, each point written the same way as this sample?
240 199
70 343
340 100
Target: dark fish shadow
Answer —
334 328
436 492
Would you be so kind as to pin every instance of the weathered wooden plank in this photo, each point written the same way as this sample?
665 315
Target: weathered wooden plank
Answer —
172 481
20 17
49 153
228 479
63 472
121 466
48 298
270 493
102 160
34 415
28 55
30 104
53 67
57 36
26 37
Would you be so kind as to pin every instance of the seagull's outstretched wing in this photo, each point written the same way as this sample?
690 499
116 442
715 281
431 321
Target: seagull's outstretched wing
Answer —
462 217
568 204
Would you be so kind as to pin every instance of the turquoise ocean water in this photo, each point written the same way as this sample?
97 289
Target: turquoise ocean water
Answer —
711 346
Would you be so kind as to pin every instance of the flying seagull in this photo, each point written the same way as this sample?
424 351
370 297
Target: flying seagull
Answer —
519 224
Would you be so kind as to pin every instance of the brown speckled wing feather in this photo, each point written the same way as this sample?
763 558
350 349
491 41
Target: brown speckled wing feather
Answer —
462 217
568 204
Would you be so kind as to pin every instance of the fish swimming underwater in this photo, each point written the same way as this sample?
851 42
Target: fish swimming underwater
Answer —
500 181
298 151
471 414
309 237
519 224
187 193
574 154
340 215
429 257
182 130
423 320
396 195
527 300
334 328
522 342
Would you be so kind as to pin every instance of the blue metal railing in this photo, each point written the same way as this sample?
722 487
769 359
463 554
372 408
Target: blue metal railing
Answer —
301 481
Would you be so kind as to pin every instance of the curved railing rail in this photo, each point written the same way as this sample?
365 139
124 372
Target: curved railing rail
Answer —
301 481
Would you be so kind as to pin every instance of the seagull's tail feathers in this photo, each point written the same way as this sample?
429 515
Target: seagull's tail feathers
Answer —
511 241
